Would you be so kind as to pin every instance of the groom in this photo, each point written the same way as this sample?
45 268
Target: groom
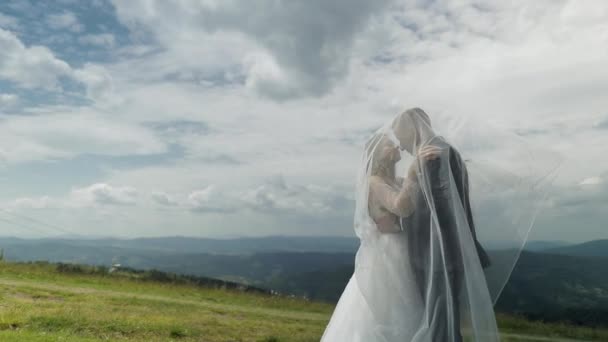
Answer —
434 243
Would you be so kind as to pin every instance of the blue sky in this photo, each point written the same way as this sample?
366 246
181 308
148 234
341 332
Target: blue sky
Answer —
243 118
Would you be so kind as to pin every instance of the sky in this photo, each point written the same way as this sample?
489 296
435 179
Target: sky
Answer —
247 118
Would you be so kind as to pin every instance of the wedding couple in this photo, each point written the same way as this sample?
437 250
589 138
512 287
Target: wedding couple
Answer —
419 271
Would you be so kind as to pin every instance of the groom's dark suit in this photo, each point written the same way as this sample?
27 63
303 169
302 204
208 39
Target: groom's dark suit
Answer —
446 174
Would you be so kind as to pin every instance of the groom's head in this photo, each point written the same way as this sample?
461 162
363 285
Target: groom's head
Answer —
409 126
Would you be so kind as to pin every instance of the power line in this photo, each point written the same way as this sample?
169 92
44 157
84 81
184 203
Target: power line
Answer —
46 224
22 225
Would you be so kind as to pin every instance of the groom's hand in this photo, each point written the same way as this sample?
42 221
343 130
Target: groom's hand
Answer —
425 153
428 152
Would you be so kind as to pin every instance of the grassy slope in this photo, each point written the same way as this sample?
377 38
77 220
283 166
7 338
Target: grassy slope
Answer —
39 304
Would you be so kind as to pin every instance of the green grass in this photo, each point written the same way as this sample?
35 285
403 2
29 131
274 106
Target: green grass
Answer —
37 303
519 325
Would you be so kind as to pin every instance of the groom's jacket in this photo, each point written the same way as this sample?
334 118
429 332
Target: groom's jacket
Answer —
444 175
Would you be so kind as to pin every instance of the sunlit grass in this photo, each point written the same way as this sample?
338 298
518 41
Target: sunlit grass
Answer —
40 304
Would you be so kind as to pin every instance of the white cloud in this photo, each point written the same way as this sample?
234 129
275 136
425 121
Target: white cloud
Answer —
37 67
64 133
591 181
277 197
43 202
64 20
521 64
8 100
163 199
210 200
273 197
296 88
8 22
98 195
97 80
302 46
92 196
102 39
29 67
104 194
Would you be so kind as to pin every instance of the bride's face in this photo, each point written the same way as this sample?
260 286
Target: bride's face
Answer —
391 154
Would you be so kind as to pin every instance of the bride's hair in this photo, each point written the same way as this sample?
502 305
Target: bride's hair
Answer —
380 163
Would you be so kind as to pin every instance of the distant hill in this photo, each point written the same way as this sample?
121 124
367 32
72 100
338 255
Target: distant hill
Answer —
533 245
542 287
539 245
595 248
237 246
268 269
182 244
554 287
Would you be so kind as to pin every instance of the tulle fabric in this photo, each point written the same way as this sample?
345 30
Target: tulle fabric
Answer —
355 320
436 277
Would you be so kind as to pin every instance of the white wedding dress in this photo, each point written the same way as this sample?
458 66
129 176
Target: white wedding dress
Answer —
354 320
350 316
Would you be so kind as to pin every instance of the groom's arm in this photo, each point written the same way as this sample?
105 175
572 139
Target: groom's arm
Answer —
462 179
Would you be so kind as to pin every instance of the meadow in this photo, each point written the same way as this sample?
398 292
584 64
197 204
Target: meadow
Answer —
43 302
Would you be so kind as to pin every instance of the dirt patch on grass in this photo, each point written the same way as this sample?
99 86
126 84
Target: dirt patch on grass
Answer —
34 297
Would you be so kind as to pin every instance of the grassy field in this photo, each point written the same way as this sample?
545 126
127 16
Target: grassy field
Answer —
38 303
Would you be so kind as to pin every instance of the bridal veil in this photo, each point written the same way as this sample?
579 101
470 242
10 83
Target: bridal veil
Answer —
473 206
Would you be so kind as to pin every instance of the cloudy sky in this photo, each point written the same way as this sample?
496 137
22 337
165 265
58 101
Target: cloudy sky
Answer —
244 118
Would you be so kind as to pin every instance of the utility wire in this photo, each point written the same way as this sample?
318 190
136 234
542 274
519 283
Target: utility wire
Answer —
38 222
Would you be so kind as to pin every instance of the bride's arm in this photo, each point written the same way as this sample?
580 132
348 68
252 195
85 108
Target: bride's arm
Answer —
398 202
388 224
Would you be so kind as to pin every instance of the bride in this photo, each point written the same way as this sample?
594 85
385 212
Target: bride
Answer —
419 271
389 198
